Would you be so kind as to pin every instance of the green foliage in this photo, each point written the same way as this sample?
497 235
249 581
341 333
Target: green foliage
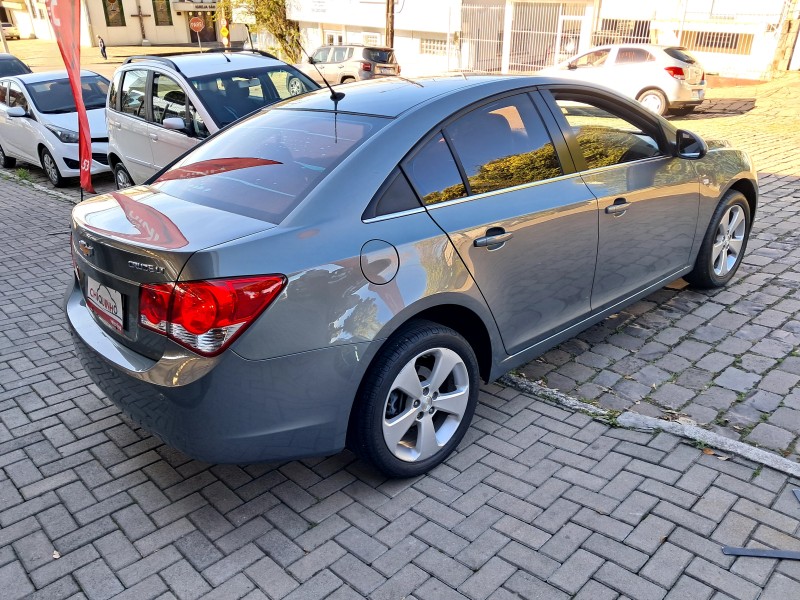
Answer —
271 15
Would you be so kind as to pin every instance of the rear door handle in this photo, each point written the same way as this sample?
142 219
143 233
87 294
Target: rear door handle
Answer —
494 238
620 206
154 137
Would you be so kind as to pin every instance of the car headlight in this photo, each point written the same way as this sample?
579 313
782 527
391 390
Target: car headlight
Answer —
65 135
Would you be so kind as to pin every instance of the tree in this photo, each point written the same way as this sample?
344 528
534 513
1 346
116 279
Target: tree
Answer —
270 15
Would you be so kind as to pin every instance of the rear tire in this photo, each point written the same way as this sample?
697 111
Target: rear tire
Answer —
348 79
51 168
724 243
655 100
416 401
6 161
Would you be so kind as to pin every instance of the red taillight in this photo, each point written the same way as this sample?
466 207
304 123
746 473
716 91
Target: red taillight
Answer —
676 72
207 316
365 66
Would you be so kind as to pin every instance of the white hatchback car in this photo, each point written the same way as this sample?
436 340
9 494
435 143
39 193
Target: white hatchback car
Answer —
662 78
160 107
39 122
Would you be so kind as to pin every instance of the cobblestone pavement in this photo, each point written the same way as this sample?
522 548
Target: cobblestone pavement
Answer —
539 502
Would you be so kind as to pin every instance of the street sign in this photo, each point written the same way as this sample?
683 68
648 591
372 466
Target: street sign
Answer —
224 31
197 24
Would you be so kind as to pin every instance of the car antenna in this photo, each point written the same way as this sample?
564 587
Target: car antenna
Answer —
335 96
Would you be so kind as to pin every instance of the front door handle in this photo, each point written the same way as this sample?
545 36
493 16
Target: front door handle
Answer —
495 238
619 207
154 137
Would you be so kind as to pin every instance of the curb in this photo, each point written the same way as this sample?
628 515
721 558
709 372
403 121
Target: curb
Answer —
41 188
632 420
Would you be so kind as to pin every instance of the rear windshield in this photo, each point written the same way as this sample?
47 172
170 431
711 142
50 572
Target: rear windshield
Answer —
264 166
230 96
379 55
12 66
680 54
55 96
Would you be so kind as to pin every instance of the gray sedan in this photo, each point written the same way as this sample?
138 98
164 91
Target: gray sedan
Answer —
345 270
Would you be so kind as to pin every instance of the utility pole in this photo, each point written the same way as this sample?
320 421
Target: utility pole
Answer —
390 23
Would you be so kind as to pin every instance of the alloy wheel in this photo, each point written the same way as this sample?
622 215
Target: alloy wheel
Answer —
728 241
50 168
425 405
123 179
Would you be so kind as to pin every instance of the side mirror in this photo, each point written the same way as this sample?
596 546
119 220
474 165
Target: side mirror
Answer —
16 111
174 123
690 145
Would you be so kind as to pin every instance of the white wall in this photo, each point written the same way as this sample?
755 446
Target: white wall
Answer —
131 34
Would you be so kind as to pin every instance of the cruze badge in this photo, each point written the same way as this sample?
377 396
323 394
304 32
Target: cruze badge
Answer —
85 248
145 267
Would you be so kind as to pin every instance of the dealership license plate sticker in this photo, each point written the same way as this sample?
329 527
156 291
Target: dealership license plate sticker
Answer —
106 303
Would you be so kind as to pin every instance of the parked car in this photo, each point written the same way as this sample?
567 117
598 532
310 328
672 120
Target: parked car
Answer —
252 303
353 62
39 122
11 65
663 78
159 107
10 31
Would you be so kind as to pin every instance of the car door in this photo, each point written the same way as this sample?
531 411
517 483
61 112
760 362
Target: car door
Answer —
632 70
320 59
524 225
20 133
648 200
169 100
590 66
127 125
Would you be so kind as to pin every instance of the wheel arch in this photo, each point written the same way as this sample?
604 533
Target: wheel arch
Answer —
652 87
750 191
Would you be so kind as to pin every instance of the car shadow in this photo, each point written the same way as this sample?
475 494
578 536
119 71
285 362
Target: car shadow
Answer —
718 107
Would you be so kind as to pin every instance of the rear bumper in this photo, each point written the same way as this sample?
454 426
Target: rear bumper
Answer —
237 410
685 94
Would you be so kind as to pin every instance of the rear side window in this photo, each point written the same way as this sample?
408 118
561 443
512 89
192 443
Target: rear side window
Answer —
12 66
434 173
133 92
680 54
633 55
114 91
266 165
504 144
396 195
379 55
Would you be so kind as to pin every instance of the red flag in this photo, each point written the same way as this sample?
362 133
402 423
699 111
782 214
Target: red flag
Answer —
66 20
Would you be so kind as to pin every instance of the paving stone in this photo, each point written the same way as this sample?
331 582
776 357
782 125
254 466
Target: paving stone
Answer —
769 436
627 583
722 580
666 565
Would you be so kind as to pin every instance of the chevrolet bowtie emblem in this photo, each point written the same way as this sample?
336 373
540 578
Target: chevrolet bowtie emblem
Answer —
85 248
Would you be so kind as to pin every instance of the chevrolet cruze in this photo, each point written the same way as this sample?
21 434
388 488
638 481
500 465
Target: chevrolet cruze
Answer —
344 268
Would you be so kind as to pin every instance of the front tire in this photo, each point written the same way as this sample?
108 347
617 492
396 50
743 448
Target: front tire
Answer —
724 243
416 401
122 178
655 100
51 169
6 161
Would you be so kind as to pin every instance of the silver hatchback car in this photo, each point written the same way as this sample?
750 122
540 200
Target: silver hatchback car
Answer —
663 78
344 270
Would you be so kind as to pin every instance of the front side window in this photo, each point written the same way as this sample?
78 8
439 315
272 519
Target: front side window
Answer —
321 55
16 97
169 99
504 144
266 167
133 93
592 59
607 138
55 96
434 174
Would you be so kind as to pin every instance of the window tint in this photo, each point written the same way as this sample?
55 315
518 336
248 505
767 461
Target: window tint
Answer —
55 96
285 84
264 168
680 54
633 55
133 93
339 54
396 195
321 55
606 138
504 144
379 55
592 59
12 66
16 97
434 173
169 99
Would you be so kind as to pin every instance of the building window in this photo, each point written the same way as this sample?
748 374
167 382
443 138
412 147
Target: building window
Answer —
718 42
161 12
370 39
113 11
435 47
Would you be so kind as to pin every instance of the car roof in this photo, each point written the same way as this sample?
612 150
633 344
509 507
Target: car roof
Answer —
193 65
392 96
48 75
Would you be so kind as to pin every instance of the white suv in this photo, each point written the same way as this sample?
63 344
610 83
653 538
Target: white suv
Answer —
160 107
